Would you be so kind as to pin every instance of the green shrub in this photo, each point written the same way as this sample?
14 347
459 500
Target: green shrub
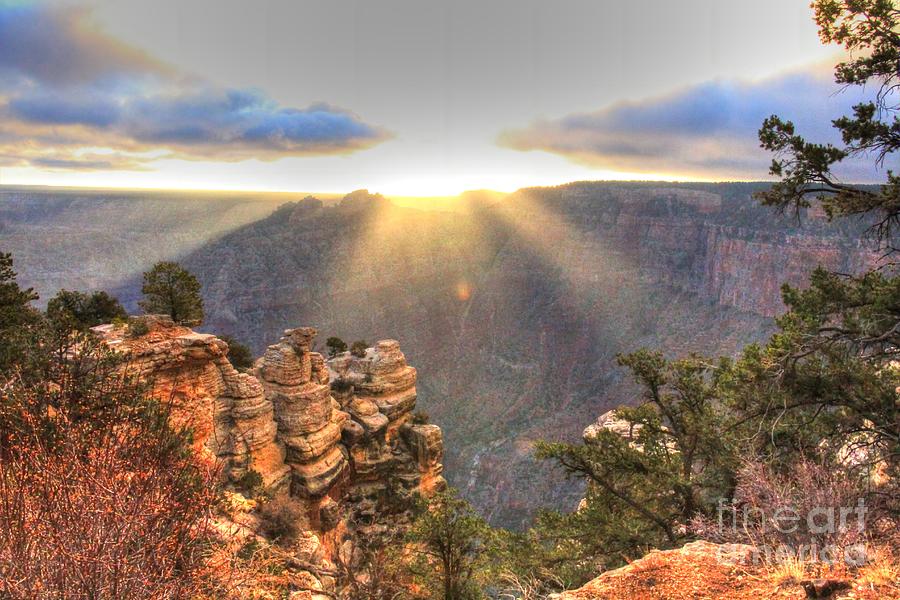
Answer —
420 417
84 310
137 327
250 483
341 385
335 346
250 549
358 348
239 354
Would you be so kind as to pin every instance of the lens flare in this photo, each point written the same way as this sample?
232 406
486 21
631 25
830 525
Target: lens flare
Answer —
463 290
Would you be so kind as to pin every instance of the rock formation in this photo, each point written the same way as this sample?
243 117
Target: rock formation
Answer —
337 436
296 382
231 417
378 390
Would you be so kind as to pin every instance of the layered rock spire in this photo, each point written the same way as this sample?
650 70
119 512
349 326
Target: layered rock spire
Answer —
296 381
327 433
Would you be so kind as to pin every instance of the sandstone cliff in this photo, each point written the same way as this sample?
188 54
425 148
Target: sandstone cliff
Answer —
336 436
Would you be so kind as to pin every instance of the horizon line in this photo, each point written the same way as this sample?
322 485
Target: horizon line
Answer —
86 188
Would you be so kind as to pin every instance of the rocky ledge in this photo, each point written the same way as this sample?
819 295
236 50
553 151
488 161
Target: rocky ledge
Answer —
696 570
703 570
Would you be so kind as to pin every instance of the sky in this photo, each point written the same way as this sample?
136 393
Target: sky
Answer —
404 97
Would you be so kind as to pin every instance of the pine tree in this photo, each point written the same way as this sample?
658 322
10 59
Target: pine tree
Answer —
172 290
16 313
84 310
450 542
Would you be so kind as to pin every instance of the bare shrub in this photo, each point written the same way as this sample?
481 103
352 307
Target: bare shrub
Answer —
251 570
528 587
282 519
99 496
809 508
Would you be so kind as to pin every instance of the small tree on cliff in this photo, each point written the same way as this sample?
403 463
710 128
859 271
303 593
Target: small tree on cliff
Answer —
450 543
670 461
16 312
335 346
171 289
239 354
83 310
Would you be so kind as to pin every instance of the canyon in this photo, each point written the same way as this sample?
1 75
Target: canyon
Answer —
512 309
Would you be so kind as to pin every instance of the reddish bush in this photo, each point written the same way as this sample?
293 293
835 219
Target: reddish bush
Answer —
809 508
99 496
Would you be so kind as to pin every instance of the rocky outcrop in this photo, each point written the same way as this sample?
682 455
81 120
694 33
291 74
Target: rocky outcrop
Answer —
609 421
696 570
232 418
338 437
703 570
390 456
295 380
292 417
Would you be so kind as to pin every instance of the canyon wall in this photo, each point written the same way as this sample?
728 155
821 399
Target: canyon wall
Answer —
718 245
83 239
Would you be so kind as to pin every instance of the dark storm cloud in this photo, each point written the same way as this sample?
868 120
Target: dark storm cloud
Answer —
706 130
57 72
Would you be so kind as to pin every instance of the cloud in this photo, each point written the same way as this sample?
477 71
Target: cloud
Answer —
65 110
84 164
61 46
65 85
707 130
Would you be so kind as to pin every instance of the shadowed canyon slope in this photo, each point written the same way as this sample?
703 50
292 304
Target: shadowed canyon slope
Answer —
512 310
84 239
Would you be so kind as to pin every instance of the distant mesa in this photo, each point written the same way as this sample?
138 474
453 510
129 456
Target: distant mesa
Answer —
363 200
